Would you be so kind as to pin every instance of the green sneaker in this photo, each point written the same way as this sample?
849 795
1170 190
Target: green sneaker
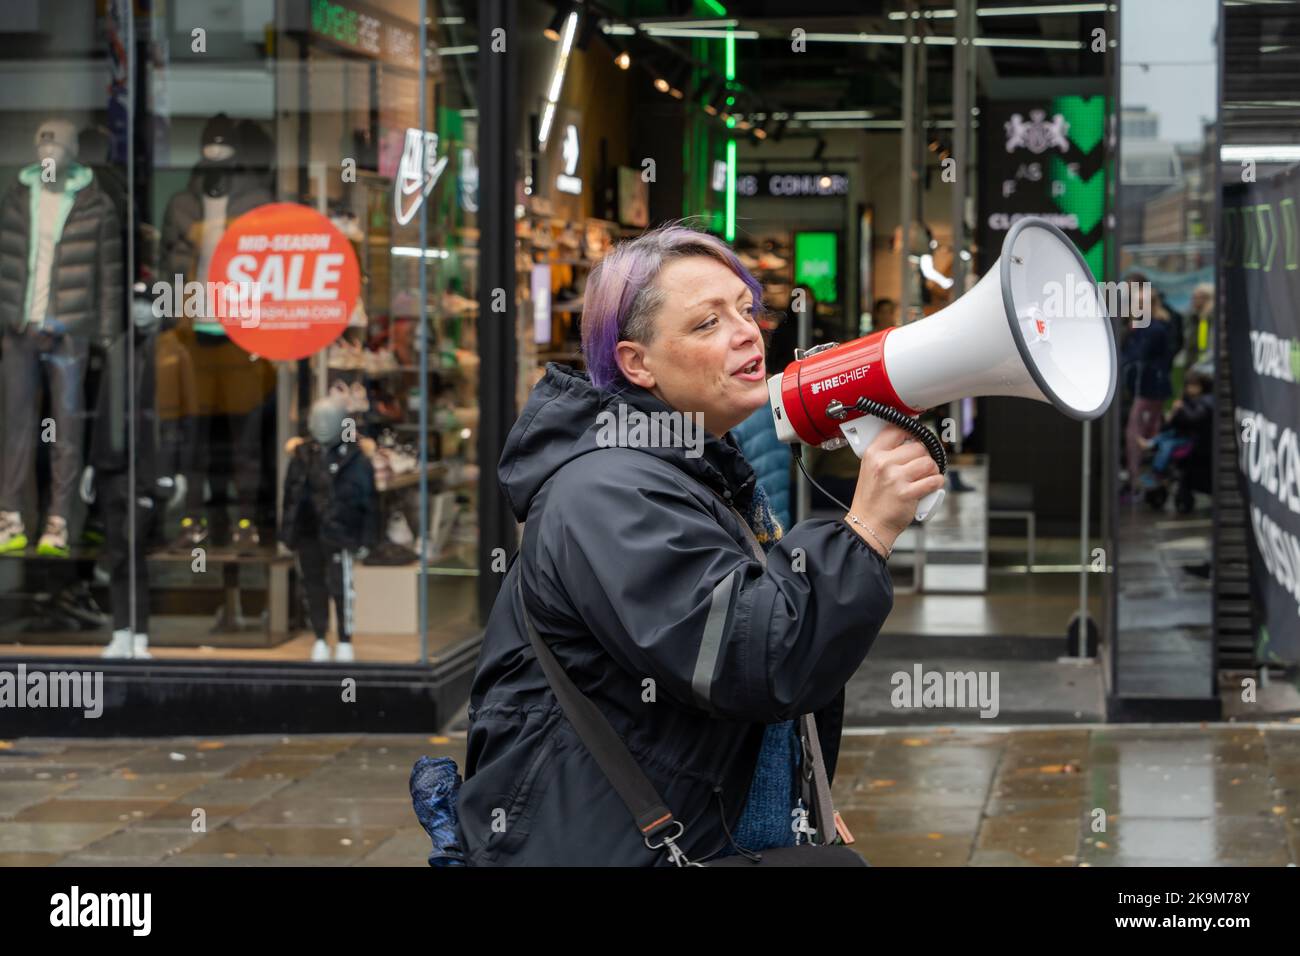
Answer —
54 539
13 536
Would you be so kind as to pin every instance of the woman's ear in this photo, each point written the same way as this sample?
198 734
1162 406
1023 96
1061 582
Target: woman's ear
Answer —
631 357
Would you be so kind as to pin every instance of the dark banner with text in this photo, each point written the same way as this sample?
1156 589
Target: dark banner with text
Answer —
1261 261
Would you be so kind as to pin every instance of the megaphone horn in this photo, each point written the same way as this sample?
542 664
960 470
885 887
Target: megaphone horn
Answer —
1034 326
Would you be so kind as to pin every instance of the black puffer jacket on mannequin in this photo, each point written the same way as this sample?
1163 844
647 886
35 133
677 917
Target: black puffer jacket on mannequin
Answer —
86 291
330 493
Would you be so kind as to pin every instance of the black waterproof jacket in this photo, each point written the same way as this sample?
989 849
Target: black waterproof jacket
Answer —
637 570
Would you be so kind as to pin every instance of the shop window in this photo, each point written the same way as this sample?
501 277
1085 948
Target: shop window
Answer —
297 361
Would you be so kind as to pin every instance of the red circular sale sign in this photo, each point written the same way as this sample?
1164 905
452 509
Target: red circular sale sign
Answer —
284 280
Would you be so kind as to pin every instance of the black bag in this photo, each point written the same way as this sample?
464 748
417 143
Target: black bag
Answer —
652 817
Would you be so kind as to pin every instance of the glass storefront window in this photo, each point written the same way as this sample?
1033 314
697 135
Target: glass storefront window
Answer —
66 345
244 300
1166 204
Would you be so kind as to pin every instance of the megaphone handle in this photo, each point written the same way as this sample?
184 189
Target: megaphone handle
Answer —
861 432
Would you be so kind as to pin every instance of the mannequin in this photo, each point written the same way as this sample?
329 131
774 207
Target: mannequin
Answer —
60 290
331 515
227 385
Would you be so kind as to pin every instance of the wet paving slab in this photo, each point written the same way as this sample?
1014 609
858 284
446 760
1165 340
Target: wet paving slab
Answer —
1091 795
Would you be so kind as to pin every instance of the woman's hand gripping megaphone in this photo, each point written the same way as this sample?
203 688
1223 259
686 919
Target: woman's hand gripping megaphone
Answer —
901 467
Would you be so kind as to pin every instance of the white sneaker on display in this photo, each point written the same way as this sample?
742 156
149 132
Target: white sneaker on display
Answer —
320 651
13 536
343 651
54 539
119 646
141 647
399 530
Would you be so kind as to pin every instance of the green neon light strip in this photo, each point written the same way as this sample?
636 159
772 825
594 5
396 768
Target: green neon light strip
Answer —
730 229
729 226
716 7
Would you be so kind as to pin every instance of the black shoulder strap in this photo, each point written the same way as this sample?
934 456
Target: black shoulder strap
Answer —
611 754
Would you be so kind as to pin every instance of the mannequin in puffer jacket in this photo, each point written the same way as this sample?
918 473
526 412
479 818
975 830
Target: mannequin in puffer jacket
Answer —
60 292
331 515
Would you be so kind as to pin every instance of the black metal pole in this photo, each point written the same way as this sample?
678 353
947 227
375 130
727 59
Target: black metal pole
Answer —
498 132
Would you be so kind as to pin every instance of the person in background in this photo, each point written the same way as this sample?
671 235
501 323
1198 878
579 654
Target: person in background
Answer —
769 457
1146 362
1189 424
884 314
1200 326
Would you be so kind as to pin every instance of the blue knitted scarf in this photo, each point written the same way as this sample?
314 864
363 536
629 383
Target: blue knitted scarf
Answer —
766 821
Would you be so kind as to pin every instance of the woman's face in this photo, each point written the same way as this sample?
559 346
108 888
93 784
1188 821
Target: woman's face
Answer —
706 353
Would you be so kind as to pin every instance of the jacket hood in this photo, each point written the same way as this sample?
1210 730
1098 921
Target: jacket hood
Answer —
567 417
78 178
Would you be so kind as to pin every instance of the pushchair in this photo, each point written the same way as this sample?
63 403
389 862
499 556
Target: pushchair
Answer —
1189 472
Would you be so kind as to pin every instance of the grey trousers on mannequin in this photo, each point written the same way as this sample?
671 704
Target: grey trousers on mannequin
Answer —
31 356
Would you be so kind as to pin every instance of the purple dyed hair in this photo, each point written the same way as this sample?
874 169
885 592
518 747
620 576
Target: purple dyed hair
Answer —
621 299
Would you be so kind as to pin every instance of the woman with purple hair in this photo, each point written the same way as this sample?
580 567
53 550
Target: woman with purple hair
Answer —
653 569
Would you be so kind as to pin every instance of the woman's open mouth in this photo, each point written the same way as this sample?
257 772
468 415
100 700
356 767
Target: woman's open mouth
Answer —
752 372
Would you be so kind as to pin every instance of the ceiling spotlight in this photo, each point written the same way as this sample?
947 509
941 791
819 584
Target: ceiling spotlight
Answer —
661 84
677 77
760 133
556 26
623 60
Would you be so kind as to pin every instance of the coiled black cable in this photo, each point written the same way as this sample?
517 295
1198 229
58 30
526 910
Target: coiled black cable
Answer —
909 424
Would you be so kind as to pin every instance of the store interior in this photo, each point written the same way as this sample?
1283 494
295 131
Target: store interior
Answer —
793 152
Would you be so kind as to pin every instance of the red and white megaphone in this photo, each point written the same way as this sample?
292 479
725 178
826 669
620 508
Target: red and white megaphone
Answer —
1034 327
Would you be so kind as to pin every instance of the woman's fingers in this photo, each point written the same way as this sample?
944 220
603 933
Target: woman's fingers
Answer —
917 468
919 489
907 452
890 437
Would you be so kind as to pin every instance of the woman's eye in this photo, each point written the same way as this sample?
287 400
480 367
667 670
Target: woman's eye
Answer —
709 322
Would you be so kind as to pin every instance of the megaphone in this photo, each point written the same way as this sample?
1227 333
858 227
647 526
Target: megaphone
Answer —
1034 326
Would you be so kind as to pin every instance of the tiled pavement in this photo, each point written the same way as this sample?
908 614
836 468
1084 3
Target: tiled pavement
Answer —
1224 794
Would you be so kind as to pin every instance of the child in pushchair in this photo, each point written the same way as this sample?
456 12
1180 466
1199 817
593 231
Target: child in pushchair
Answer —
1180 453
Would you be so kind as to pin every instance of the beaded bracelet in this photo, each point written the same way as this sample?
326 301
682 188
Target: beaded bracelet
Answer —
866 527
